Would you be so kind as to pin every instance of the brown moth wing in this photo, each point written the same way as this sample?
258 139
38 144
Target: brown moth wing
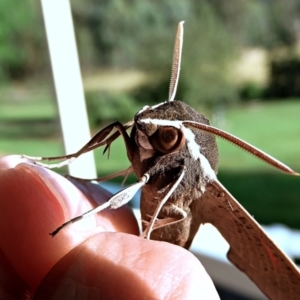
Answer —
251 250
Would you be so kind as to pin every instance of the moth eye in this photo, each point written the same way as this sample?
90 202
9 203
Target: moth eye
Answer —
167 139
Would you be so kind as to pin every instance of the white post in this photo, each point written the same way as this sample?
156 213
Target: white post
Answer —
68 83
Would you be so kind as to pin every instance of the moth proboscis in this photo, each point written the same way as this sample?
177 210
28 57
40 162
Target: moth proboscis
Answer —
173 152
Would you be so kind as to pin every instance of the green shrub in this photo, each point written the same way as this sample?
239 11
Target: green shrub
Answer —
107 107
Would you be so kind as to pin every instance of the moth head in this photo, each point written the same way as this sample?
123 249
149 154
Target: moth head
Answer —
164 139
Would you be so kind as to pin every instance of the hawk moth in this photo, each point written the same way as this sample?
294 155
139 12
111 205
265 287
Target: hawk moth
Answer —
173 152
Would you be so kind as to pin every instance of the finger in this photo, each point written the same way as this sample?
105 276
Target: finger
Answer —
122 266
11 286
34 201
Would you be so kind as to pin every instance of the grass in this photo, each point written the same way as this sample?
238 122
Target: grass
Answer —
273 127
32 127
269 197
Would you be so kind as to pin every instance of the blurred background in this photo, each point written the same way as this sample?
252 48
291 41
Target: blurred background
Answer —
240 67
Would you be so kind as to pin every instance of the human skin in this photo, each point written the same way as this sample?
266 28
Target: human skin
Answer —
100 257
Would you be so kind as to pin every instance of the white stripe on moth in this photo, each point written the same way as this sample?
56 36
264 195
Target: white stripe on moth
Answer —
143 109
150 107
157 105
194 148
195 152
160 122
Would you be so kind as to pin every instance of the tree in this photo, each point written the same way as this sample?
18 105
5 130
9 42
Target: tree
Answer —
20 39
139 34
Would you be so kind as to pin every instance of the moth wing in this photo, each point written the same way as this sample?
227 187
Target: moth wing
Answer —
251 250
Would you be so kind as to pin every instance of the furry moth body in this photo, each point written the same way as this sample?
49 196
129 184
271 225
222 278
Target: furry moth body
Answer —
172 150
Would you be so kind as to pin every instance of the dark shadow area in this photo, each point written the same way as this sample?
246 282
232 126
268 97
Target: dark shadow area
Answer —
284 78
268 197
225 294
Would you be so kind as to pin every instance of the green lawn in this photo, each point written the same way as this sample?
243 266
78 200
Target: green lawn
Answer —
31 127
273 127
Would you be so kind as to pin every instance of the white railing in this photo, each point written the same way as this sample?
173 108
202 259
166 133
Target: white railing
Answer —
68 84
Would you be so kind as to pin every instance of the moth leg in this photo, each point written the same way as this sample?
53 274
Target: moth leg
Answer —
125 173
159 223
116 201
103 137
149 229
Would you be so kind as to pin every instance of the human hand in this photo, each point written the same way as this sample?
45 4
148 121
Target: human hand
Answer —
96 258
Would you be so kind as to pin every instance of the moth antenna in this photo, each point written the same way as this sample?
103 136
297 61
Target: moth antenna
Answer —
244 145
176 62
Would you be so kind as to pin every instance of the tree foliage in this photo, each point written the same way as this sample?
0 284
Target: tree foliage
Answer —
21 39
137 34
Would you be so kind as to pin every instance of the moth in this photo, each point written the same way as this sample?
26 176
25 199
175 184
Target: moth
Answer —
173 152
